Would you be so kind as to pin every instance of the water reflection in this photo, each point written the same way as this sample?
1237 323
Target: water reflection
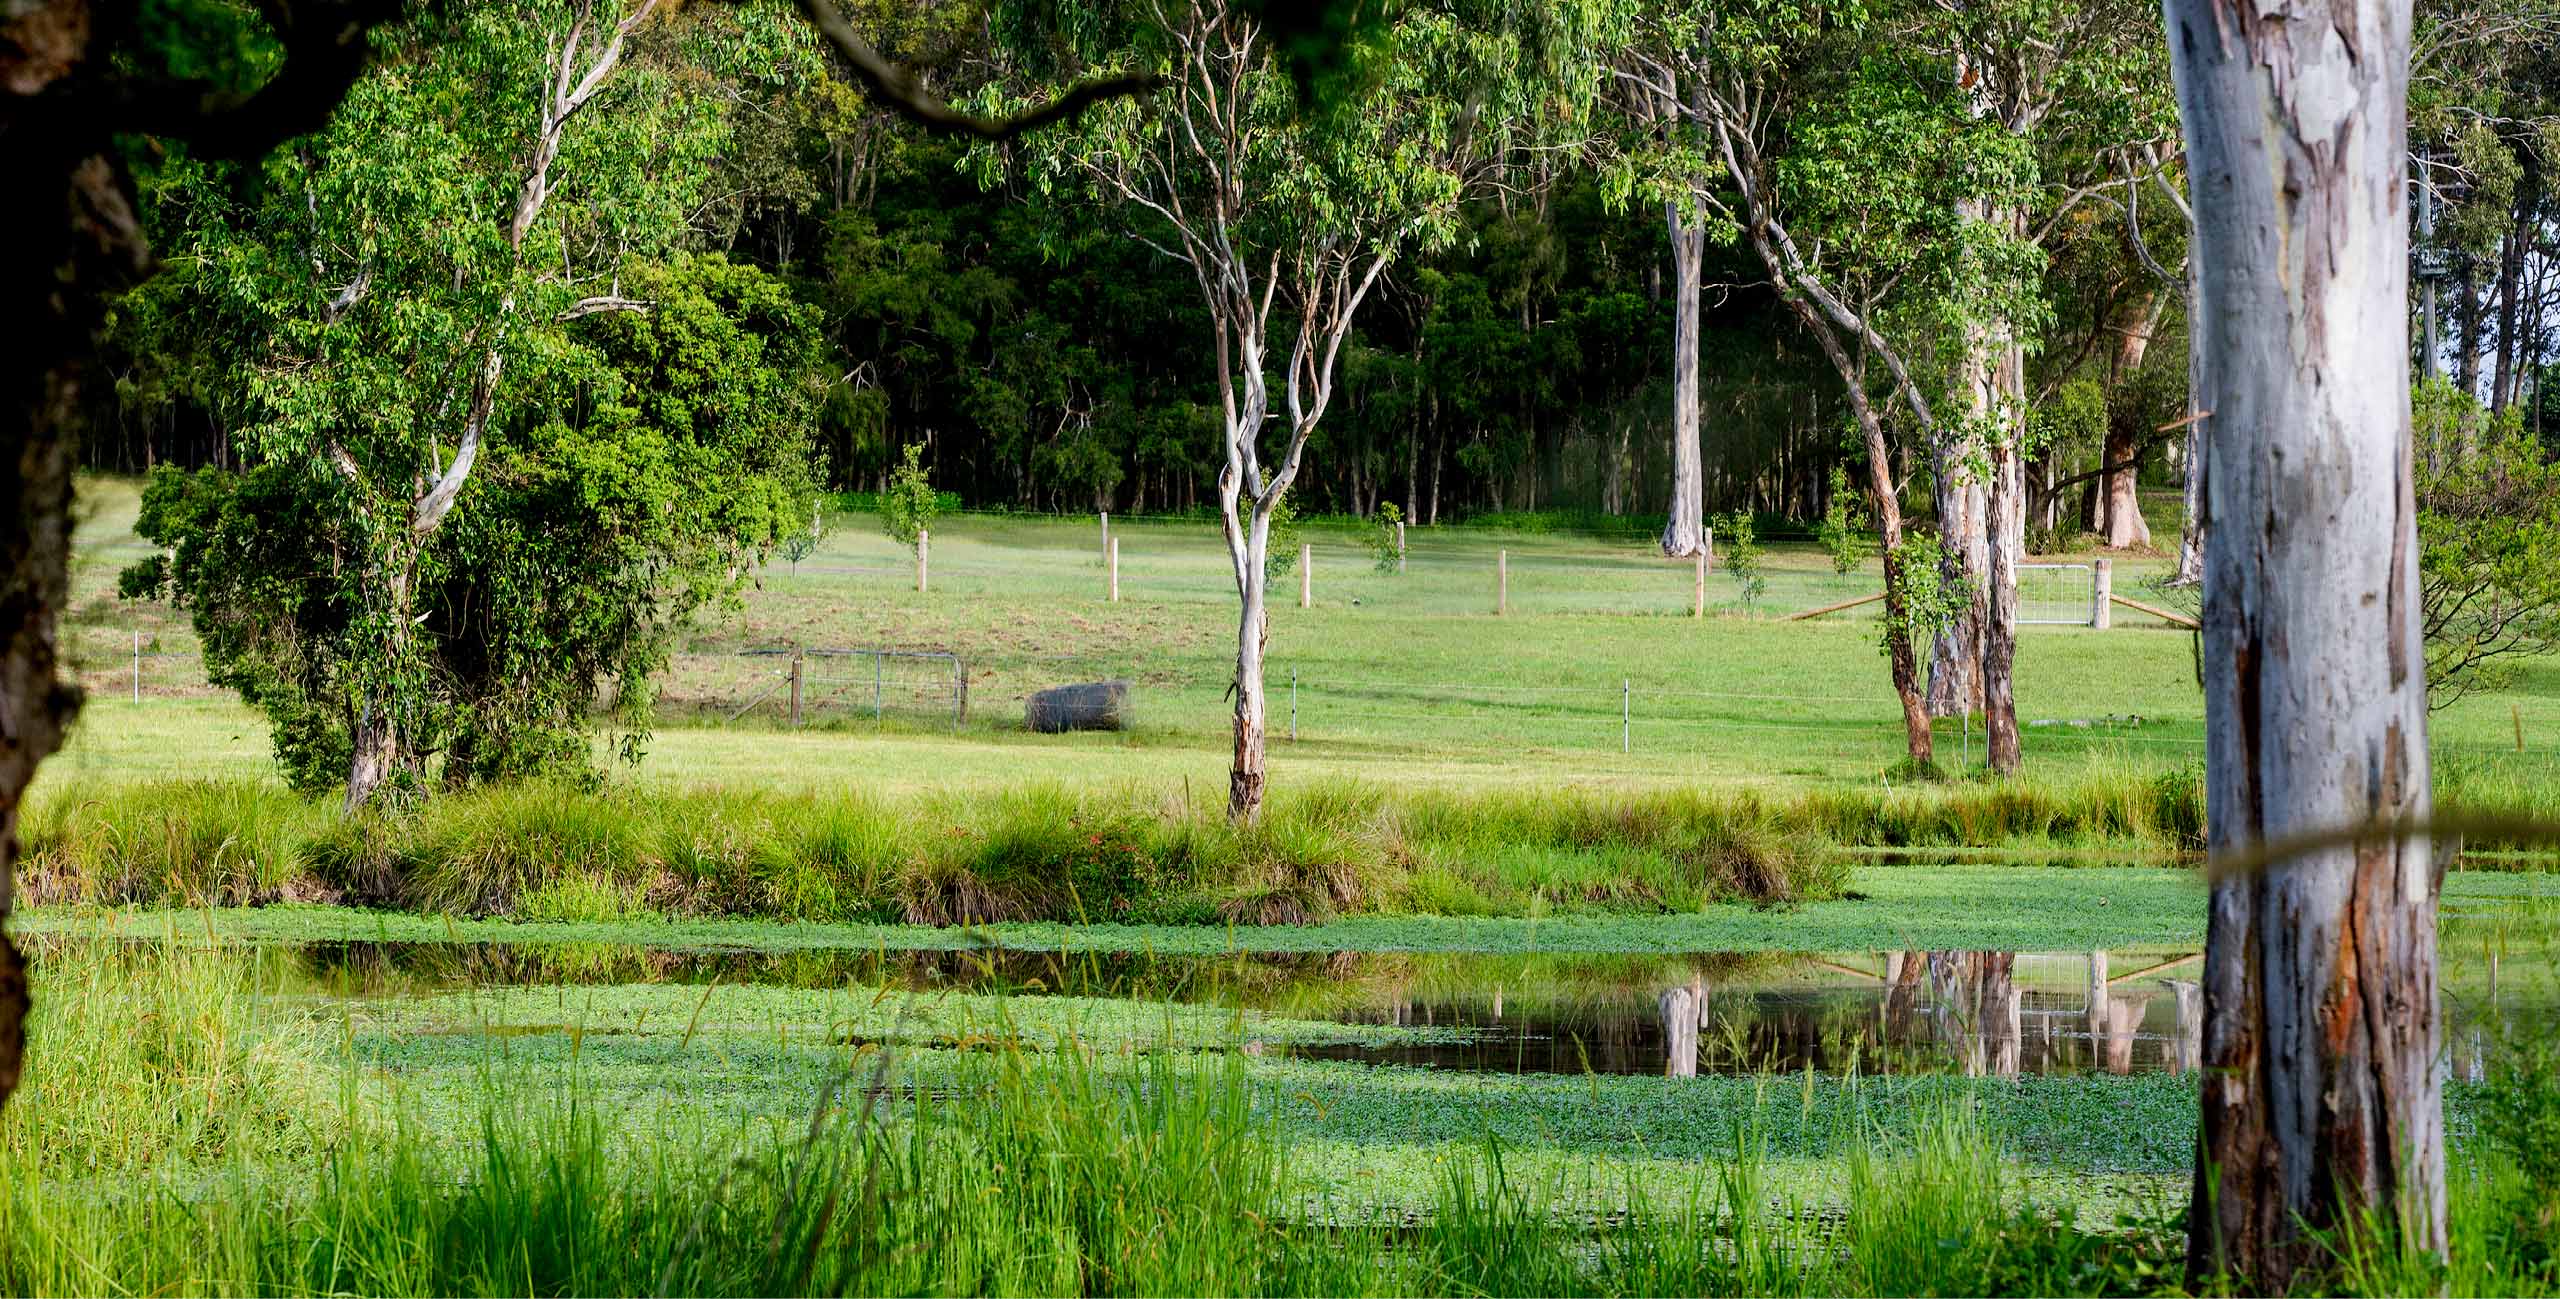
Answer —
1982 1013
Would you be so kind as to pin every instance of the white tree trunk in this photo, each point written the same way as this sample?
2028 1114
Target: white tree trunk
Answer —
1682 531
1253 636
2321 1101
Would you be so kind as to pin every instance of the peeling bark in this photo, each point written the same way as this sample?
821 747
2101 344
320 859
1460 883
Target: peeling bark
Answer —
2321 1103
1684 531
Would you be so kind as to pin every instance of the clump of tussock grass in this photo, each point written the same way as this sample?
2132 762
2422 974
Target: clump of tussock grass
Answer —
196 842
1319 850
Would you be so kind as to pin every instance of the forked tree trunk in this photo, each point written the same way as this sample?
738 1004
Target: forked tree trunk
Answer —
2321 1106
1682 532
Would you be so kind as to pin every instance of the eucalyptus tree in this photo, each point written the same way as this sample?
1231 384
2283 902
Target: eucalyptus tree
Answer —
1286 199
2322 1111
1657 93
1792 114
395 276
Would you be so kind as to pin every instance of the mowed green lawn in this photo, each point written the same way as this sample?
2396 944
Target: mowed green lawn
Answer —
1595 676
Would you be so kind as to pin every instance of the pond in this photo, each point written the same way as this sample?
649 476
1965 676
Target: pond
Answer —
1981 1013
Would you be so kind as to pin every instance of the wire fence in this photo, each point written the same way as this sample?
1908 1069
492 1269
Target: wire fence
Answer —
2057 594
926 689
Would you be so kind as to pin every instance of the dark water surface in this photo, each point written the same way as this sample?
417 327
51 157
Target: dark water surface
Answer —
1992 1013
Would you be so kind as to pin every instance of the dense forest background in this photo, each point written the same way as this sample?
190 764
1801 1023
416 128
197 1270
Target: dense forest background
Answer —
1048 357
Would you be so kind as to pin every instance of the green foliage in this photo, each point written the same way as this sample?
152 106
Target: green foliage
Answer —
677 456
1386 537
1286 534
1927 604
2520 1115
2488 540
1842 534
908 506
357 311
1739 551
800 545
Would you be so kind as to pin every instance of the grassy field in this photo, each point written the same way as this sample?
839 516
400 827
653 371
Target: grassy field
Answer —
1595 678
1587 800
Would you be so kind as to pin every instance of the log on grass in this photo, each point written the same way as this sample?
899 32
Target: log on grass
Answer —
2177 619
1833 608
1092 706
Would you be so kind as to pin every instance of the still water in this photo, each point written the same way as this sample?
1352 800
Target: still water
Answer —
1983 1013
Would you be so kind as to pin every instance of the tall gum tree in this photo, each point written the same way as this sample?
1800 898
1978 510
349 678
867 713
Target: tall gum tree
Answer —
1793 119
2321 1102
1287 202
1657 95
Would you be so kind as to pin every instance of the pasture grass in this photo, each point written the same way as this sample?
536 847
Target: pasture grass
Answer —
1400 679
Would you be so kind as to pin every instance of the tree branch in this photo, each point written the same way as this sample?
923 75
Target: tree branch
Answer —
898 89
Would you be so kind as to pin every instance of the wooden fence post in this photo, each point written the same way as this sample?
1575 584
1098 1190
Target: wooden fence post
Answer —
1707 546
1115 570
796 662
1106 533
1399 546
1698 594
2102 589
1306 575
1501 582
924 549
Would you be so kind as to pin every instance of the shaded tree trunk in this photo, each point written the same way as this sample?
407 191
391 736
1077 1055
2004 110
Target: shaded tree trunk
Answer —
2191 530
1683 531
2321 1109
1955 654
2122 524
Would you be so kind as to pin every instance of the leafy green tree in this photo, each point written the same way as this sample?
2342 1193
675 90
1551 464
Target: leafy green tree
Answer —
1386 538
426 277
2488 497
908 506
400 285
1842 532
675 456
1742 555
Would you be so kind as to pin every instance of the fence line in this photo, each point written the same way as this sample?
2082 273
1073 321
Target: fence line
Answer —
799 689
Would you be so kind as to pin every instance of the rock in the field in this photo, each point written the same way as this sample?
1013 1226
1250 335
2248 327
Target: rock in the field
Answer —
1094 706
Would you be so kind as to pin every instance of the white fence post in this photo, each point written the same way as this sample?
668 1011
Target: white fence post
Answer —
1306 575
924 548
1399 546
1115 570
1501 582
